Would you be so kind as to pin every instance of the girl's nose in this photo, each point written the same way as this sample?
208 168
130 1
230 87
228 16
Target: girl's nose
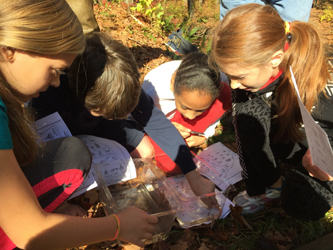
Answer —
191 115
234 84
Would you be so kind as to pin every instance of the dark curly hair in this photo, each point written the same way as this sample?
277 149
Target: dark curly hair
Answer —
194 73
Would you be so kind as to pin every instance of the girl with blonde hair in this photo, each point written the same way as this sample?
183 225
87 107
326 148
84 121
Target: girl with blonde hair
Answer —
39 39
255 48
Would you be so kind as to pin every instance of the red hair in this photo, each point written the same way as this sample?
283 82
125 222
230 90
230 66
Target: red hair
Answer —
250 34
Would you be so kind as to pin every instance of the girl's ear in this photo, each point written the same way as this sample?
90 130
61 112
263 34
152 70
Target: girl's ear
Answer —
172 82
8 54
277 58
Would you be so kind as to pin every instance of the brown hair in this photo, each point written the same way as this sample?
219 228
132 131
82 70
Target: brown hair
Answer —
250 34
43 27
105 77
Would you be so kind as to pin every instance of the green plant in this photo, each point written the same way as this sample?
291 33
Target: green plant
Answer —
168 25
190 34
154 13
177 10
328 14
202 19
129 28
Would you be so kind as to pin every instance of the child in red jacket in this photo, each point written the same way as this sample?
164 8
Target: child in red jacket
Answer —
193 96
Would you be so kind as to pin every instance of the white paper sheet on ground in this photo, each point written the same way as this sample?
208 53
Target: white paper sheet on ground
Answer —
52 127
219 161
195 209
319 145
115 163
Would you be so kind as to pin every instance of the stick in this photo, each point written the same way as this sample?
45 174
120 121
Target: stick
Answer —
135 40
136 19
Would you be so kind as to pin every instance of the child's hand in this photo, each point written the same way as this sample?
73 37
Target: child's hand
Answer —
201 186
195 140
185 132
136 225
70 209
313 170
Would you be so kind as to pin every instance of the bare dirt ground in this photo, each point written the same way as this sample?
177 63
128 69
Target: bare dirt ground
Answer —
149 49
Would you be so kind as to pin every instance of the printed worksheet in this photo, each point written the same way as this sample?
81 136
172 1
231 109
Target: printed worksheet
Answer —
52 127
114 161
319 145
220 165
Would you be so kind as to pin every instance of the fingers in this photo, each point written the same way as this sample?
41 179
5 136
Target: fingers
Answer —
210 201
139 243
316 172
152 219
214 201
185 132
307 160
137 226
145 234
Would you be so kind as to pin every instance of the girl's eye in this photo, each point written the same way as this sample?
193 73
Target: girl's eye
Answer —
61 72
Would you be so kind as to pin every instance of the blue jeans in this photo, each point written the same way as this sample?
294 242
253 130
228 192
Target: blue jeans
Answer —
289 10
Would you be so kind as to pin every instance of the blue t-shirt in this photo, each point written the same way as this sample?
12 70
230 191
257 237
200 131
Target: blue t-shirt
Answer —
5 136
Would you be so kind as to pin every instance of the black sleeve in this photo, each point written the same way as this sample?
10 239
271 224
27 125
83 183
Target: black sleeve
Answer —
163 132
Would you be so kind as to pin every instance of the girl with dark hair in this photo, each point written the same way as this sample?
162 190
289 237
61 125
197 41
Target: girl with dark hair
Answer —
192 95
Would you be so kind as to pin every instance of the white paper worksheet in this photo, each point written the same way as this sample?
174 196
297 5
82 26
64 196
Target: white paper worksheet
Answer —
114 161
220 165
319 145
52 127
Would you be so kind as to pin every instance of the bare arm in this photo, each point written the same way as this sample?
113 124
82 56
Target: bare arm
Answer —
201 186
29 227
313 170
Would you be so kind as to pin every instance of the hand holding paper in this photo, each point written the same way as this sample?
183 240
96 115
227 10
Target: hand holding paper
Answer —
313 170
319 146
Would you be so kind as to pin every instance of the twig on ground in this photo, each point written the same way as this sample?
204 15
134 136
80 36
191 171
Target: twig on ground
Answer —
136 19
246 223
135 40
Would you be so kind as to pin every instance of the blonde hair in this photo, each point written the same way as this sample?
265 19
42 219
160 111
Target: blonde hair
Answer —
45 27
105 77
253 43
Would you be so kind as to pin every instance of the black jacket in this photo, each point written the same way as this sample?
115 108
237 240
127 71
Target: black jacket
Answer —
146 114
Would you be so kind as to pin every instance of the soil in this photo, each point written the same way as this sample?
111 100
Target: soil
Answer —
148 47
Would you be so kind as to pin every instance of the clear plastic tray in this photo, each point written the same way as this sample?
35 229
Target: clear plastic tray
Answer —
196 211
149 191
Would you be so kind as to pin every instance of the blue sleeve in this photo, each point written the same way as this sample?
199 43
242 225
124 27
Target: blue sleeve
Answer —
5 136
163 132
